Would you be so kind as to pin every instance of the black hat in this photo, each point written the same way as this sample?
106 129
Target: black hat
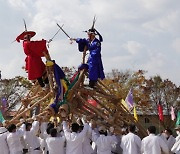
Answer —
95 32
91 31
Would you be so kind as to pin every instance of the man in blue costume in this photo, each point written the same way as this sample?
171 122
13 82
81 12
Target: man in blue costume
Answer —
95 66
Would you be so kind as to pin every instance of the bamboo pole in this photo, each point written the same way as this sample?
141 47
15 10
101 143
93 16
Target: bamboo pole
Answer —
27 109
92 92
50 77
105 86
84 54
101 104
22 105
30 119
95 109
73 91
35 89
132 119
101 90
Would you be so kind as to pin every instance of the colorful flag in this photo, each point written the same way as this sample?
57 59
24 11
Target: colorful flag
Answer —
1 118
178 119
135 113
4 104
129 99
124 103
160 112
173 116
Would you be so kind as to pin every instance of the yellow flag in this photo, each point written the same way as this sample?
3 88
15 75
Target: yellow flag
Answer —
51 101
64 85
124 103
135 114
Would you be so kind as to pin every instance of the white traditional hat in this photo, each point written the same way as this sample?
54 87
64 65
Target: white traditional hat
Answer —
3 130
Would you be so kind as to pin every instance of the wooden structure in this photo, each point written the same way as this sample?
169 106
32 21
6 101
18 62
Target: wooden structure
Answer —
109 110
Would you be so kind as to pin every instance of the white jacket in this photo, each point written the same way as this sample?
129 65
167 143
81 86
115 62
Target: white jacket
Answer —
14 142
103 143
74 140
153 144
44 136
87 148
170 142
3 143
56 145
31 140
176 146
131 144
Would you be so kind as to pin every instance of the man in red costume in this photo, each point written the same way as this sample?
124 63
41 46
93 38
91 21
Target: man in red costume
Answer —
34 50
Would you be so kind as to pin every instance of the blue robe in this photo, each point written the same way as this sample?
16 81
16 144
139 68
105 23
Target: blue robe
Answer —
95 69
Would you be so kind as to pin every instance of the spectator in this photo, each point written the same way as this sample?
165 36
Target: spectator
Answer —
55 144
14 140
153 144
131 143
170 138
103 142
3 141
74 139
176 146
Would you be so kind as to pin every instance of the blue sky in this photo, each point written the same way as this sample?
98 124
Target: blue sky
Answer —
138 34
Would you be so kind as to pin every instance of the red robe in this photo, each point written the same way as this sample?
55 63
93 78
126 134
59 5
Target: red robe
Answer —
34 64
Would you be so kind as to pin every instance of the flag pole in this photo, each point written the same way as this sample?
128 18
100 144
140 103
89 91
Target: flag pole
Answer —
159 126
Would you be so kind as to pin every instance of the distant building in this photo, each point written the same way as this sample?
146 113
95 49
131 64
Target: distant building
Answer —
149 120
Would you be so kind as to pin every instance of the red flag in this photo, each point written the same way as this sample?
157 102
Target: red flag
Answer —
92 102
160 112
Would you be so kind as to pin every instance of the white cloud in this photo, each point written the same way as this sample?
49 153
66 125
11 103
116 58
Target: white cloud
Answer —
155 4
12 68
155 62
133 47
19 4
176 45
169 22
135 27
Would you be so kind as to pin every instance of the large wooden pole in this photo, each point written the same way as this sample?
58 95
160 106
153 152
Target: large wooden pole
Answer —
30 108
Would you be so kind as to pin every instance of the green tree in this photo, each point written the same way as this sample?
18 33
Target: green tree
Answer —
13 90
146 92
165 92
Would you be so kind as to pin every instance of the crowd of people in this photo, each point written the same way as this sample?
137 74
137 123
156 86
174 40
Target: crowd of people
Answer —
83 137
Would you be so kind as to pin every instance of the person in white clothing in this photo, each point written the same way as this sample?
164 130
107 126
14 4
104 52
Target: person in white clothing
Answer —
163 136
13 140
153 144
170 138
45 132
116 148
176 146
87 148
43 135
74 139
55 144
3 142
31 139
131 143
103 142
